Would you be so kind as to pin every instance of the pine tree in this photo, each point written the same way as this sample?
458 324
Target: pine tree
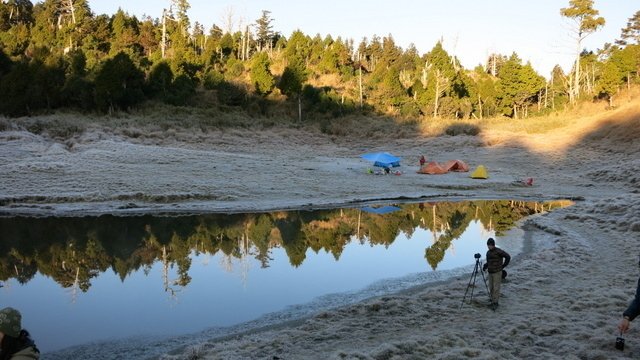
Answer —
261 76
631 32
518 85
125 35
264 31
609 81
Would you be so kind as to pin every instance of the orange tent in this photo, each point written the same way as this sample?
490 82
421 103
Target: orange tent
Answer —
456 165
432 168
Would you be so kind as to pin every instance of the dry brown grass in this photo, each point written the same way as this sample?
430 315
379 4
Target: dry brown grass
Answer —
587 123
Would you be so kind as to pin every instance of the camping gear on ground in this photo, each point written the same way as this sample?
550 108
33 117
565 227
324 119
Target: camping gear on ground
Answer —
382 159
523 182
480 173
432 168
456 165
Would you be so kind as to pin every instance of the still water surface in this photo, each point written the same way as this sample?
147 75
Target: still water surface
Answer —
78 280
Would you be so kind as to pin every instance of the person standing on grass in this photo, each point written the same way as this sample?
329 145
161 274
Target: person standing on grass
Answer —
497 259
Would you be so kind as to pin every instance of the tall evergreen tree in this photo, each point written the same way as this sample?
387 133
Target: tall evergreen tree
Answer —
260 74
519 85
264 31
124 38
631 32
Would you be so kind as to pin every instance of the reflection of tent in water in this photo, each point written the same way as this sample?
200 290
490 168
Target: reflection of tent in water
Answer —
382 159
380 210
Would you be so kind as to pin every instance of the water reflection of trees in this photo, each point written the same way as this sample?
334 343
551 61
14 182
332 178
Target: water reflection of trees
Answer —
73 251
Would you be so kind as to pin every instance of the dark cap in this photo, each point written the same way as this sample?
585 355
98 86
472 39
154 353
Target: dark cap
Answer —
491 242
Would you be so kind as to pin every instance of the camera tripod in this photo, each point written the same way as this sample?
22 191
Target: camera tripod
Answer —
472 281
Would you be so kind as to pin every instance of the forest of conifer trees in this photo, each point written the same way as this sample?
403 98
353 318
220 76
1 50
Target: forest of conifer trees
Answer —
58 54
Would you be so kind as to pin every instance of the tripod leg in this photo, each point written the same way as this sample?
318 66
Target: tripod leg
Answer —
473 288
472 284
471 280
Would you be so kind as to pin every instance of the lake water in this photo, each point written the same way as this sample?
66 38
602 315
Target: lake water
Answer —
79 280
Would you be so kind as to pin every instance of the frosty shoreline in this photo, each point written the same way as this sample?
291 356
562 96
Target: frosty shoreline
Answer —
563 300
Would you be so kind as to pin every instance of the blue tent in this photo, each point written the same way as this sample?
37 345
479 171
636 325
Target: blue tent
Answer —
382 159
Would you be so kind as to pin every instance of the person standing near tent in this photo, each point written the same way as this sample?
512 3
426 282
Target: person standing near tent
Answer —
497 259
422 160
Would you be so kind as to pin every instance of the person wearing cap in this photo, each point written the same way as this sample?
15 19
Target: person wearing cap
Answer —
15 342
497 259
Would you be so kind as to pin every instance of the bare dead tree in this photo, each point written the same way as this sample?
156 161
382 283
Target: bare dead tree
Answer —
228 19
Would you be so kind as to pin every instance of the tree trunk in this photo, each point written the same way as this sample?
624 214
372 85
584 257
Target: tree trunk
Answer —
480 106
546 95
163 44
299 107
360 84
576 80
435 106
73 11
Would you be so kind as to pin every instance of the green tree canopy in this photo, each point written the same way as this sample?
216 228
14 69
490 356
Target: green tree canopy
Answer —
518 84
261 76
119 84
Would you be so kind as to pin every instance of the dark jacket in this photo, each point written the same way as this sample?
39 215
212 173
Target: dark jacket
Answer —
634 308
495 262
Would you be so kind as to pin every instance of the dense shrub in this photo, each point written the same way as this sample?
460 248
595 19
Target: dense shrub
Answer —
119 84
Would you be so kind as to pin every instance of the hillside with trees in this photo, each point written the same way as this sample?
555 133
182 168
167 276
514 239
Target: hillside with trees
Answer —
58 55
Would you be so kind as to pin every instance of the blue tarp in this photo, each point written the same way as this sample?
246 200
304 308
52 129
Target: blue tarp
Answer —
382 159
380 210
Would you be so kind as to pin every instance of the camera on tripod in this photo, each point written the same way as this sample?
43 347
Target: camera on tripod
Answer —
472 281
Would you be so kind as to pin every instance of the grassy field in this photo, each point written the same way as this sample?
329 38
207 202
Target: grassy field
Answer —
155 119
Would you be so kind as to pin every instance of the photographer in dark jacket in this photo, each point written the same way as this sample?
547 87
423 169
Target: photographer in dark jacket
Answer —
632 311
15 342
497 259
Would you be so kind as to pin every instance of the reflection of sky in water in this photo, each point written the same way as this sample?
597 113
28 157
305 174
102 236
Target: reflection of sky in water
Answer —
219 295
